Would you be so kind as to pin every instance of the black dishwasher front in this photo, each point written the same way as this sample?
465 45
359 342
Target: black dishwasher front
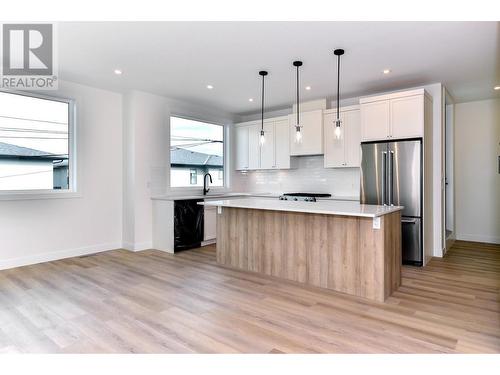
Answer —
188 224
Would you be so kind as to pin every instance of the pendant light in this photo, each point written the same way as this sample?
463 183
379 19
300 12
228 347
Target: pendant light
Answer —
338 121
298 134
263 73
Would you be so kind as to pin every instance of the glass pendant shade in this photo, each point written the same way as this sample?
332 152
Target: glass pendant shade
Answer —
298 135
262 139
338 130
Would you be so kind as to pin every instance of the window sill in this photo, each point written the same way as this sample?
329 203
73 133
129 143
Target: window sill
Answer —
38 195
196 190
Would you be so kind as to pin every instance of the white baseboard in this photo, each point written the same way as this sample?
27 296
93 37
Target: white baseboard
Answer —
137 246
476 238
56 255
208 242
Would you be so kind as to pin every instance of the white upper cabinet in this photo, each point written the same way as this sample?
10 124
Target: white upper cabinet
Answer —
397 115
241 147
407 117
254 146
273 154
375 118
282 144
334 148
312 133
267 150
343 152
352 138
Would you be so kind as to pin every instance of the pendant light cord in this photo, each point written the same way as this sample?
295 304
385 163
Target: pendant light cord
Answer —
298 123
262 109
338 88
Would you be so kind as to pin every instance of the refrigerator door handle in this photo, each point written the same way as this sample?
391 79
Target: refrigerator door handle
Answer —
384 176
391 179
409 221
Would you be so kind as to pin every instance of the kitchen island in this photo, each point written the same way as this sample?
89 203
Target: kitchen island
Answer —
340 245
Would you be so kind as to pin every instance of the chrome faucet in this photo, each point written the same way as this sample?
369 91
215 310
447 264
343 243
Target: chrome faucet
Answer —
205 184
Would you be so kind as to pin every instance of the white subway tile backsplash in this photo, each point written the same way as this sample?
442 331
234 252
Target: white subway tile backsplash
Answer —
309 176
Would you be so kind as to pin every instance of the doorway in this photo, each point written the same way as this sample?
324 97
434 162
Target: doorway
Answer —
449 198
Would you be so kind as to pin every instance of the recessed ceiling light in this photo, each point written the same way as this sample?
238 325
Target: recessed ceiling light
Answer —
210 87
386 71
118 72
250 100
496 87
308 88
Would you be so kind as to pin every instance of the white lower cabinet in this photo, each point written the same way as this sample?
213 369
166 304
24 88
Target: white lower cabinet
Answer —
346 151
210 223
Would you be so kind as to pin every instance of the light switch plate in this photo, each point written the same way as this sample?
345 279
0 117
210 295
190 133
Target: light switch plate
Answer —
219 209
376 223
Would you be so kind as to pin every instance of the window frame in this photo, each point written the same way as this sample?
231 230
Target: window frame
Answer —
225 167
193 173
72 191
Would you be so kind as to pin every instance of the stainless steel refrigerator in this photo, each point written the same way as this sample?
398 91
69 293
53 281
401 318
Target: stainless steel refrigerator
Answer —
391 174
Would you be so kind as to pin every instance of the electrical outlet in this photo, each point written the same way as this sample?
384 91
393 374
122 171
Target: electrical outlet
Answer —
376 223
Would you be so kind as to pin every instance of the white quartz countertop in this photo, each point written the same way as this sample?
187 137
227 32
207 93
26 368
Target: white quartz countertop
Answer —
326 207
230 195
180 197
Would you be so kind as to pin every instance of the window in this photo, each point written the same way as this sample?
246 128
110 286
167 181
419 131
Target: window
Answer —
34 143
196 148
194 177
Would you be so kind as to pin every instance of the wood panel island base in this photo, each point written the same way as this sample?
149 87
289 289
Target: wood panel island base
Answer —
327 244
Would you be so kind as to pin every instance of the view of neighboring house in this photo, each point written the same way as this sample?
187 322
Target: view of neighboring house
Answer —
23 168
189 167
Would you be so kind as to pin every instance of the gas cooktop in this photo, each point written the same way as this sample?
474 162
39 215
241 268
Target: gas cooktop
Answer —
306 197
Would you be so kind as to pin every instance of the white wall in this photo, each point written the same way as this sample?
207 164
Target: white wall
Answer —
44 229
145 151
147 157
477 181
436 91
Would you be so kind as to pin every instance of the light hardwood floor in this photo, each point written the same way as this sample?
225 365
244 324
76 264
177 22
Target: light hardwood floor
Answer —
153 302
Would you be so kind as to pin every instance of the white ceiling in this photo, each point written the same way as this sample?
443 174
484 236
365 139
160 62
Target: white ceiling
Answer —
179 59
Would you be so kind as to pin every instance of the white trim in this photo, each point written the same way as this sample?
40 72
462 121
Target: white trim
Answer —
139 246
42 194
476 238
209 242
393 95
345 108
226 135
72 191
57 255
